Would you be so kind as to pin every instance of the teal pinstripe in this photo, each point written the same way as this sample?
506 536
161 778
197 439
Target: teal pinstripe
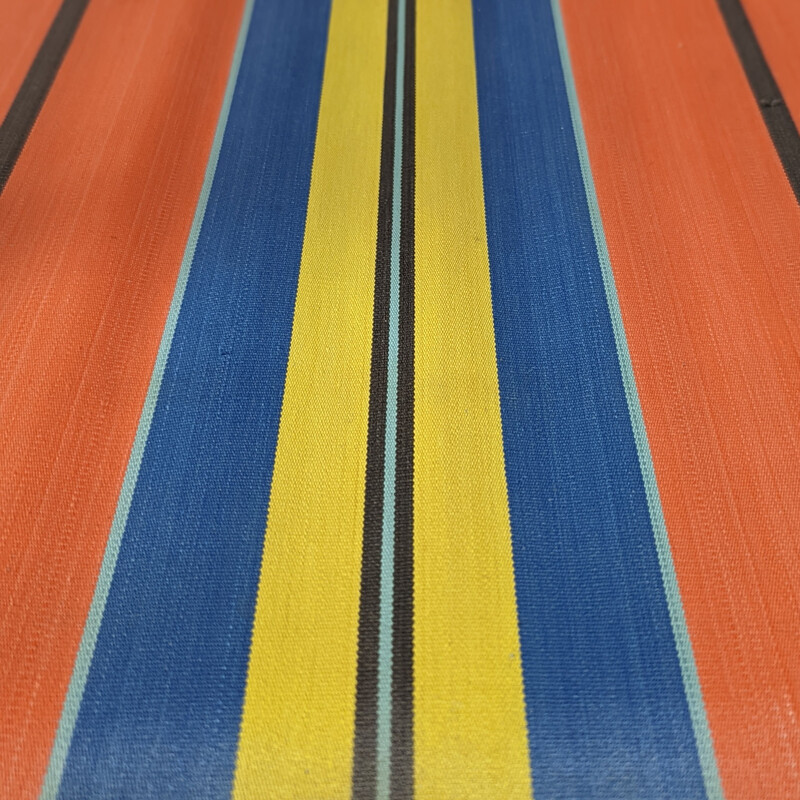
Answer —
384 726
83 661
691 682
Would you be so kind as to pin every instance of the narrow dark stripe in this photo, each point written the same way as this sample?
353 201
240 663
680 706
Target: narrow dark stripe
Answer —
777 116
31 95
365 736
402 778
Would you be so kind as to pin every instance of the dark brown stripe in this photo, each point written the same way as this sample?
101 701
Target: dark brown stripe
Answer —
402 776
31 95
776 114
366 713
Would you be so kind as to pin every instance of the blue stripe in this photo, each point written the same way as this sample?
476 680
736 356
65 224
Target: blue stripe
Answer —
384 709
162 704
83 661
691 681
606 708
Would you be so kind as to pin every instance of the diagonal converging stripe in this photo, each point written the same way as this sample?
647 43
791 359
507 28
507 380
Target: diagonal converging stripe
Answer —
33 92
402 768
83 661
383 731
767 93
683 644
386 600
301 680
598 644
402 761
172 654
366 712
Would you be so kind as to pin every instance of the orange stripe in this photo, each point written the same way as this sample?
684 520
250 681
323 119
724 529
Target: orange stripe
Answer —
704 236
23 26
777 26
94 219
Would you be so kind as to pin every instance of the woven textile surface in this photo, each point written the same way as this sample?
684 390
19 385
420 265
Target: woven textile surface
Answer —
399 399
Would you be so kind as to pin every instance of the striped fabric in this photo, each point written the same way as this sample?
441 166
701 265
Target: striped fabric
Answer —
399 399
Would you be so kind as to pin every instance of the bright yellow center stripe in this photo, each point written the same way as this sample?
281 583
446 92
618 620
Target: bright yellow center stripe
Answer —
470 733
297 728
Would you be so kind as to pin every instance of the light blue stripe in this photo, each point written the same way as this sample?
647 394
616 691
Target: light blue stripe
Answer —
691 683
384 712
83 661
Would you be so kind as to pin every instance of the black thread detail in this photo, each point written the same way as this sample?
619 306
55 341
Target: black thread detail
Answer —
776 114
402 762
32 93
366 712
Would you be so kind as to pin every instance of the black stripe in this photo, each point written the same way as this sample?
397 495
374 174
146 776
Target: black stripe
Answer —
776 114
402 776
366 713
31 95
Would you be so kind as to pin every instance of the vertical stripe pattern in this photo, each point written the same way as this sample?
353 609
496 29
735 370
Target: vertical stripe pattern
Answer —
606 709
171 657
703 233
399 399
83 660
296 736
92 243
470 737
691 683
383 737
366 702
402 755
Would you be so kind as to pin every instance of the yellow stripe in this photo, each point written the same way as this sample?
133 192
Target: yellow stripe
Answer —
470 733
297 727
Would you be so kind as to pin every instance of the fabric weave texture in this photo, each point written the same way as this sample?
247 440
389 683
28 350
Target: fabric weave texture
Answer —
399 399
